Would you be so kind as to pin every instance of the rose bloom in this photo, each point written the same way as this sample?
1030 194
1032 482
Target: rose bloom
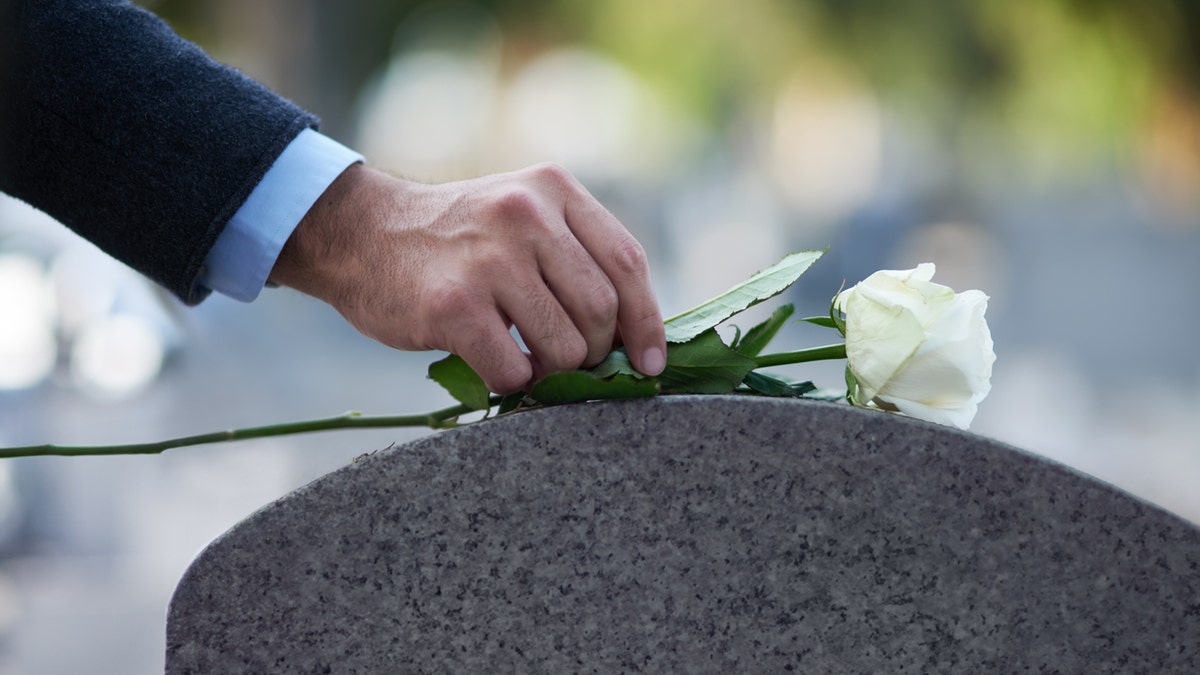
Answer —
917 347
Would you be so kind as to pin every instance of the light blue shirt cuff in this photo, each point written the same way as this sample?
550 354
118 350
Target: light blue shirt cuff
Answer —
244 253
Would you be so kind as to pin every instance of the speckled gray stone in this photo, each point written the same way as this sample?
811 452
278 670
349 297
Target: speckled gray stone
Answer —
696 534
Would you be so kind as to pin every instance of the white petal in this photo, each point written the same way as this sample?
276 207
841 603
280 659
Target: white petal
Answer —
958 416
879 341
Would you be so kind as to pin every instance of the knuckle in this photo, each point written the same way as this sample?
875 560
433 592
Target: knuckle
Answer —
449 302
576 352
504 371
517 205
552 173
600 343
490 261
628 257
507 378
556 343
650 318
602 304
569 352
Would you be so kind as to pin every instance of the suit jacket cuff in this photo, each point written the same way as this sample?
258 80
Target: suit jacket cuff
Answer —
242 257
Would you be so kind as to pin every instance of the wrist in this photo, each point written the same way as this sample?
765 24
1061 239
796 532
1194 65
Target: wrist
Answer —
316 256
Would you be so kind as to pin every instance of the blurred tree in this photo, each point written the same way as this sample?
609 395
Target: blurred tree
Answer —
1070 80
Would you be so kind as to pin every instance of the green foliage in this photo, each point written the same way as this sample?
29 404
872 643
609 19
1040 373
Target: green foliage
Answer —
763 285
774 385
852 388
757 338
836 317
510 403
822 321
616 363
578 385
463 383
704 365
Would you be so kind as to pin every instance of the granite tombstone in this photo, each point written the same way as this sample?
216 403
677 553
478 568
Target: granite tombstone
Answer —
696 534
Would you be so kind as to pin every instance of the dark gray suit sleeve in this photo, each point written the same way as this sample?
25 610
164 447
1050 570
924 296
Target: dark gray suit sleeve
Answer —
130 135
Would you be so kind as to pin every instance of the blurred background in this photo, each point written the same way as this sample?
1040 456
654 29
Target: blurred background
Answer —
1047 153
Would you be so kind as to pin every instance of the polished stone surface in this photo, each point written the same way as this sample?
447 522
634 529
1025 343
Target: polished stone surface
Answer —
696 534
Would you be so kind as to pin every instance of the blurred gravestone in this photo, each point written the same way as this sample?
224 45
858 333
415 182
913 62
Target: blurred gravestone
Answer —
696 534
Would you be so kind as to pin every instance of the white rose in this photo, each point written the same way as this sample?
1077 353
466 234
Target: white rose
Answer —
917 347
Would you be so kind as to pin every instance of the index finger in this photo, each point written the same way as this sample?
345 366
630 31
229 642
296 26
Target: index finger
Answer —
623 260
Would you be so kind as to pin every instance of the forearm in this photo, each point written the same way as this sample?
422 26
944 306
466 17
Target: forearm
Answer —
132 136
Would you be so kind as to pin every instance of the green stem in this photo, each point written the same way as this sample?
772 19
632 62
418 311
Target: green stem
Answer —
826 353
438 419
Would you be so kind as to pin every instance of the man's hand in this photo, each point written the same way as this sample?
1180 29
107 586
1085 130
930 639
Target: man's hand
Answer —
454 266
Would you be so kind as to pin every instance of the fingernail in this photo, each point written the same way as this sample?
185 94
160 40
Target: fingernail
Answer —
653 361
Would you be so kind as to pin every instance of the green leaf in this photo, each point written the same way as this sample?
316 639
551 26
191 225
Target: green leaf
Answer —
761 286
835 314
577 385
463 383
804 388
822 321
774 385
768 385
829 395
510 403
736 342
616 363
852 388
760 336
704 365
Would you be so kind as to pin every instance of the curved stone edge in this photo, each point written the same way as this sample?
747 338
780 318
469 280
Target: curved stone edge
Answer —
367 461
871 422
